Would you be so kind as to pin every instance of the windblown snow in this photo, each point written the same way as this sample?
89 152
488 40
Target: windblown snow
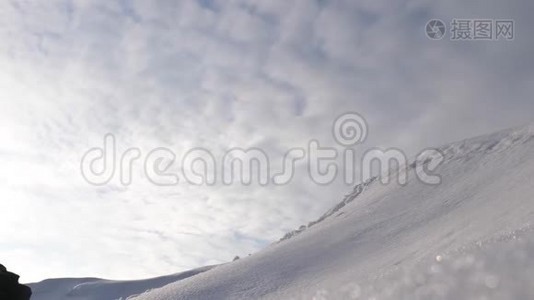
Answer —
469 237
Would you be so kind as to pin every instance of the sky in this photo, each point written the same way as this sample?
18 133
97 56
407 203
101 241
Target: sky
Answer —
218 75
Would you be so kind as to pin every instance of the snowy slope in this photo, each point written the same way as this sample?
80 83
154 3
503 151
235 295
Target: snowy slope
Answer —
499 268
99 289
382 239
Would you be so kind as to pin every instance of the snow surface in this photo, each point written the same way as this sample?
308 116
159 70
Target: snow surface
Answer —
466 238
500 268
100 289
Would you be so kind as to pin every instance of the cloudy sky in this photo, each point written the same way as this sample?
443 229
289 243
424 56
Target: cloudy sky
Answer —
222 74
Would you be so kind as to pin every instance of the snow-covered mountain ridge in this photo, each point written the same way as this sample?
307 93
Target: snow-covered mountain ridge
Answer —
388 241
94 288
486 144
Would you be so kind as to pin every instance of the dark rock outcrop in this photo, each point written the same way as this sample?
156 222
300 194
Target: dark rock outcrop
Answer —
10 288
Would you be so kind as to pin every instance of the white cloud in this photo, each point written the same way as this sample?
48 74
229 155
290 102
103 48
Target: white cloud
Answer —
220 74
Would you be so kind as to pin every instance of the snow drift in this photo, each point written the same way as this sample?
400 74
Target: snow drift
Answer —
94 288
467 237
